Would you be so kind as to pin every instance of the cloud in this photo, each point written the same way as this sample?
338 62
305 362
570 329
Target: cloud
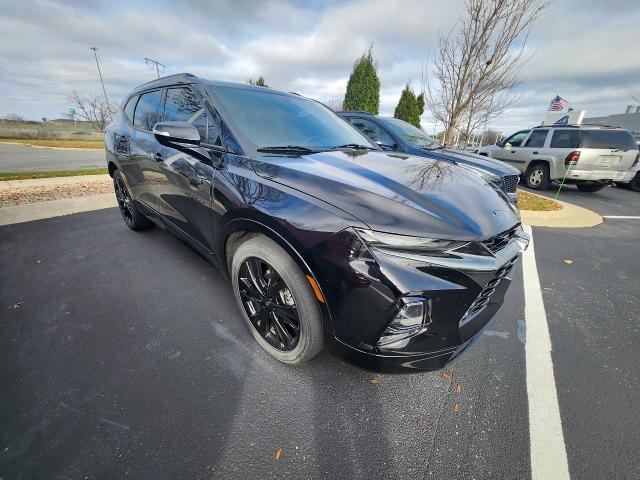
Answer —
583 51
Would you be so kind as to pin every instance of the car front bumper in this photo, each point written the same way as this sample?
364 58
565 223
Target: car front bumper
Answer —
598 175
461 292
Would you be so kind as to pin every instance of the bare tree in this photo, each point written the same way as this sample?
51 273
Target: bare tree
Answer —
335 104
476 68
92 108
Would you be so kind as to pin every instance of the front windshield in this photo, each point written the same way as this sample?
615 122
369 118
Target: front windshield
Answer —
264 119
411 134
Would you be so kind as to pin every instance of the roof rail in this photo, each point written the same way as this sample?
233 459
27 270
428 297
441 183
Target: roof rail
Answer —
177 76
575 125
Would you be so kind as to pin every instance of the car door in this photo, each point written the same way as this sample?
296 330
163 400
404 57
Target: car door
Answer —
185 191
374 132
510 148
532 146
141 170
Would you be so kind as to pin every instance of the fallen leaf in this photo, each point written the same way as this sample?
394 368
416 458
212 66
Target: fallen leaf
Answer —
458 388
15 306
374 381
278 453
422 422
456 407
568 261
447 376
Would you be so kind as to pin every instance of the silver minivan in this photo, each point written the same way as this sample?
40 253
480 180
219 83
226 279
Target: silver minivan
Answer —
588 155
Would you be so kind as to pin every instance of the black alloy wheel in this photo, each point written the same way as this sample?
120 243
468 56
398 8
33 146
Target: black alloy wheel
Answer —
125 203
269 304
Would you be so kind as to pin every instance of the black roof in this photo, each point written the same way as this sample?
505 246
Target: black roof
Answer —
189 78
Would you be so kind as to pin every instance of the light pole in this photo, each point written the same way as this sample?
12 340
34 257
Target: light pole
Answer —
100 73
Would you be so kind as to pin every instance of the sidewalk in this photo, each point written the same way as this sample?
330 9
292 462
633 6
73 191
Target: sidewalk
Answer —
55 208
36 182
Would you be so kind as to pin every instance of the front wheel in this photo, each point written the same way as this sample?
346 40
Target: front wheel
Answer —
537 176
134 219
590 187
276 301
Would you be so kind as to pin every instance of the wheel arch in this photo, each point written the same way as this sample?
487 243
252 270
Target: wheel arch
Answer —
112 167
240 229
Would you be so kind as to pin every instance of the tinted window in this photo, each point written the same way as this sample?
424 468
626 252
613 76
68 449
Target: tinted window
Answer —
608 139
516 139
129 107
265 118
373 131
148 110
565 139
537 138
411 134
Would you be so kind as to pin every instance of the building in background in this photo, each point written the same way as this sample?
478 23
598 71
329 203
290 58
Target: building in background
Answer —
630 120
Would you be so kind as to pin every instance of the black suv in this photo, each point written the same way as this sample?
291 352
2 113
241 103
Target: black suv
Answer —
396 261
393 134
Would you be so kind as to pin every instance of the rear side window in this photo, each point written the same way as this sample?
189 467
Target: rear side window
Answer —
129 108
565 139
148 110
537 138
608 139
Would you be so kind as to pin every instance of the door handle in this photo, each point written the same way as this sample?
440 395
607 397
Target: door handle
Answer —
157 157
513 151
536 153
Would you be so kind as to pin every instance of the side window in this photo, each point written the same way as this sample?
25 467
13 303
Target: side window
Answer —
565 139
148 110
372 131
537 138
129 108
516 139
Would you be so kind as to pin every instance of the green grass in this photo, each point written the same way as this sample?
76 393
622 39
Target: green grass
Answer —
57 142
55 173
536 203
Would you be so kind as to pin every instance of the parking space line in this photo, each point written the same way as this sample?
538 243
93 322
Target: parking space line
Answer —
548 451
632 217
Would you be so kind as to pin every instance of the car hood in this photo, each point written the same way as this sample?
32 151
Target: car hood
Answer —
473 160
402 194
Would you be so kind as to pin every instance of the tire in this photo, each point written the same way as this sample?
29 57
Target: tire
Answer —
268 261
590 187
635 183
132 216
537 176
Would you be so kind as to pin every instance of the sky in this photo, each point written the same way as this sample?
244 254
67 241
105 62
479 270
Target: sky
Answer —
583 50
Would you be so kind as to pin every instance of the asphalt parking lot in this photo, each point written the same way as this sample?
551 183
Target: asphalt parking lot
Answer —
127 358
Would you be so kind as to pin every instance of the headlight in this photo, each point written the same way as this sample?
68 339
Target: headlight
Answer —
488 176
392 241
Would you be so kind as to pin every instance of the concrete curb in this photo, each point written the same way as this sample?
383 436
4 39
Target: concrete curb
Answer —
55 208
570 216
50 148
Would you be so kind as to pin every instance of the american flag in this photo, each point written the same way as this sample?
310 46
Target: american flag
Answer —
558 104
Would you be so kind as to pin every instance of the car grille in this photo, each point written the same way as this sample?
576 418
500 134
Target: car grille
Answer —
498 242
510 183
485 295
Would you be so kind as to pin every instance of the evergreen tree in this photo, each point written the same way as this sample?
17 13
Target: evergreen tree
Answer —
363 88
409 107
260 82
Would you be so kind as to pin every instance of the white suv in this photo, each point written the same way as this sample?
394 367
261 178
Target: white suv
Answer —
588 155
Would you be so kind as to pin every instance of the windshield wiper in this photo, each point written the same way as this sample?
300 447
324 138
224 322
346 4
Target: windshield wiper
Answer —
286 149
431 149
353 146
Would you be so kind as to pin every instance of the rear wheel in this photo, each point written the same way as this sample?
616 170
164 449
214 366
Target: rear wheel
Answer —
537 176
276 301
635 183
591 186
134 219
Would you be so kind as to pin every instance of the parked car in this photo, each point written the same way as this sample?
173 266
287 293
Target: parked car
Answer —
397 135
589 155
396 261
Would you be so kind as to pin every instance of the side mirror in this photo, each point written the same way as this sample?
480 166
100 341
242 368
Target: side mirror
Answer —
506 145
171 133
385 146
